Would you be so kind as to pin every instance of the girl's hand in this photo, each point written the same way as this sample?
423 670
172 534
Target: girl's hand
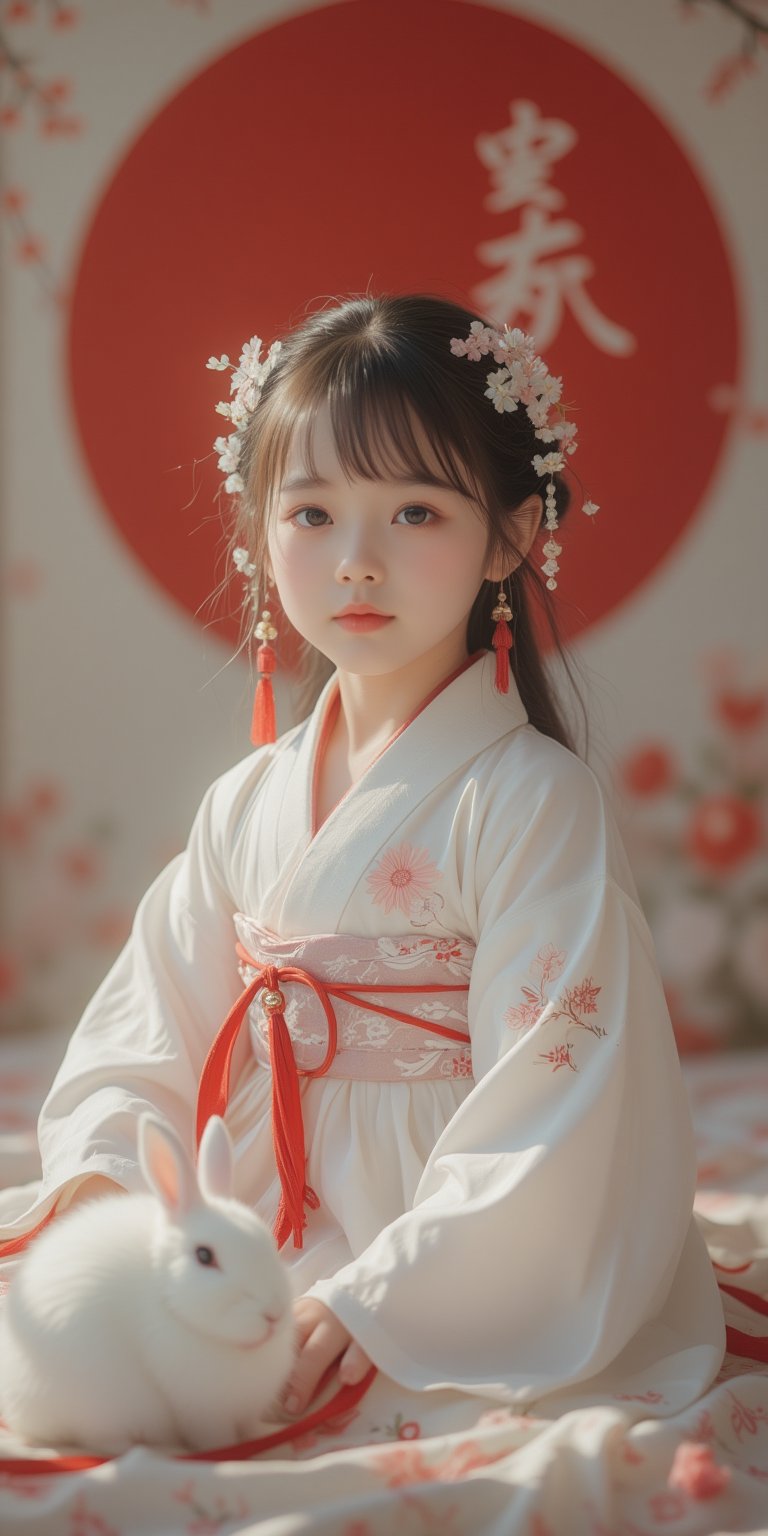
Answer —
321 1340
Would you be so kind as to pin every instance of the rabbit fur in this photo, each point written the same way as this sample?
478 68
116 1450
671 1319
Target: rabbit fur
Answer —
157 1318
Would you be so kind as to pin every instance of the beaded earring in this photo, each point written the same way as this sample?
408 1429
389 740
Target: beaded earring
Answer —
263 724
503 639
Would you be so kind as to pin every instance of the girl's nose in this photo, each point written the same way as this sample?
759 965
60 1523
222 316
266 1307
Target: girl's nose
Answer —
359 564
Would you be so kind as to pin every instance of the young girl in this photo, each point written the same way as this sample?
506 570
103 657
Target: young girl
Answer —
447 1064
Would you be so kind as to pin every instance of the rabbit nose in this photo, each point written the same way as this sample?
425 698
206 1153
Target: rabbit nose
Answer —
274 1317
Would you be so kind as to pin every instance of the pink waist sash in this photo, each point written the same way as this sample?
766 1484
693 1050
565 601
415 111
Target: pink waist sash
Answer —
375 1041
324 1005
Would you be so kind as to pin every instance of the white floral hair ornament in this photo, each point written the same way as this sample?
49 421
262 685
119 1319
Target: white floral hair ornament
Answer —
246 386
523 379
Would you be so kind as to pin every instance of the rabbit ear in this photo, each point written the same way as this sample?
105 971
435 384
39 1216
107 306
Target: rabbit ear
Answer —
166 1166
214 1166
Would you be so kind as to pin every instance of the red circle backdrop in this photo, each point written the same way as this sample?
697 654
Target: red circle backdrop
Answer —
337 150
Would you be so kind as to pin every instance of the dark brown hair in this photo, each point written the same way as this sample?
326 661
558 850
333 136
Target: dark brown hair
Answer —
378 360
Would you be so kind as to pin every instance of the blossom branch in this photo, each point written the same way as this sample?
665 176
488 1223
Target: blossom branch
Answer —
754 24
21 85
745 62
29 248
26 86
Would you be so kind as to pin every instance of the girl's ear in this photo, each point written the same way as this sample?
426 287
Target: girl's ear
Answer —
526 520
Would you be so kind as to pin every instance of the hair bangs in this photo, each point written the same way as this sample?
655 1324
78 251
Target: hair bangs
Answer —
375 418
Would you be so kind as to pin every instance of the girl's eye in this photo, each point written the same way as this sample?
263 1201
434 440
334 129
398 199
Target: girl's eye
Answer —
206 1256
423 515
314 515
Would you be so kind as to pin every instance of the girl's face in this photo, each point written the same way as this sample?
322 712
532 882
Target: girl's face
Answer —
416 553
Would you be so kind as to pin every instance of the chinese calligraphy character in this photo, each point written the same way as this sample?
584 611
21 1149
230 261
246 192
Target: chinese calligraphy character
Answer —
540 272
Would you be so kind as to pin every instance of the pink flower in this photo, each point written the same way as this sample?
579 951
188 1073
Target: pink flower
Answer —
80 865
524 1016
401 876
648 771
560 1056
403 1464
65 16
549 963
13 200
723 831
741 710
695 1471
583 996
44 797
29 250
56 90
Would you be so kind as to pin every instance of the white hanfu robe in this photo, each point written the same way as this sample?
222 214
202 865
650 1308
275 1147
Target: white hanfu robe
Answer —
524 1235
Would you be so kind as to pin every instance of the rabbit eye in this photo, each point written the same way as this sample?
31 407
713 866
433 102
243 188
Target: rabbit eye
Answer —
205 1255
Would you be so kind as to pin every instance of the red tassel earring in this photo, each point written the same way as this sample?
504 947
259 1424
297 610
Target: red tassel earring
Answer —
503 639
263 728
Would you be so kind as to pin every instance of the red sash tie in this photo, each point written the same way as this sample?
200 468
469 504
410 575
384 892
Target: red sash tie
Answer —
287 1121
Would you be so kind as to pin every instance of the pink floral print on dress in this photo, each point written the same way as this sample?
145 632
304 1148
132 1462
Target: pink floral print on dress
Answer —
694 1471
572 1004
403 875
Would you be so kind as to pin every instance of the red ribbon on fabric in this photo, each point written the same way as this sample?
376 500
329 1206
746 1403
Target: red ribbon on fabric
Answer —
287 1121
14 1245
337 1406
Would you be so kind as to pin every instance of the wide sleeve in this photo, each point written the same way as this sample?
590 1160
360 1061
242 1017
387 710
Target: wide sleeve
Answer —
144 1036
552 1213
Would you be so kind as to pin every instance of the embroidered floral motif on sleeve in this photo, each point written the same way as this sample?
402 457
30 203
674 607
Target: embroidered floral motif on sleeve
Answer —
572 1004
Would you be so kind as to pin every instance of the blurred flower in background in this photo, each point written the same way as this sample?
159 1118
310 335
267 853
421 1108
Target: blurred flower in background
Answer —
60 920
696 835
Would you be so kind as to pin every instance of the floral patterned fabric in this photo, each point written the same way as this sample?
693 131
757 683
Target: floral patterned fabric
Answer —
371 1047
517 1251
402 1460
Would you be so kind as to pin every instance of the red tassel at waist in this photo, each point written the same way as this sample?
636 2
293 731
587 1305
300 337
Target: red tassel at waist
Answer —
287 1121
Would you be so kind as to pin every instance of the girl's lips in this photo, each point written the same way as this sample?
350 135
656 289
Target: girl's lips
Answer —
358 623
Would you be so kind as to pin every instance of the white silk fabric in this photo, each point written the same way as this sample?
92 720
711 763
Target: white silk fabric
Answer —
524 1235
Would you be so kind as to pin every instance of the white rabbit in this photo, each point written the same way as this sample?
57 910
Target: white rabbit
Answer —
160 1318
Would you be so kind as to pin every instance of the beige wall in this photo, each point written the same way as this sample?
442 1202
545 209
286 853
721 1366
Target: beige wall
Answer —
120 706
